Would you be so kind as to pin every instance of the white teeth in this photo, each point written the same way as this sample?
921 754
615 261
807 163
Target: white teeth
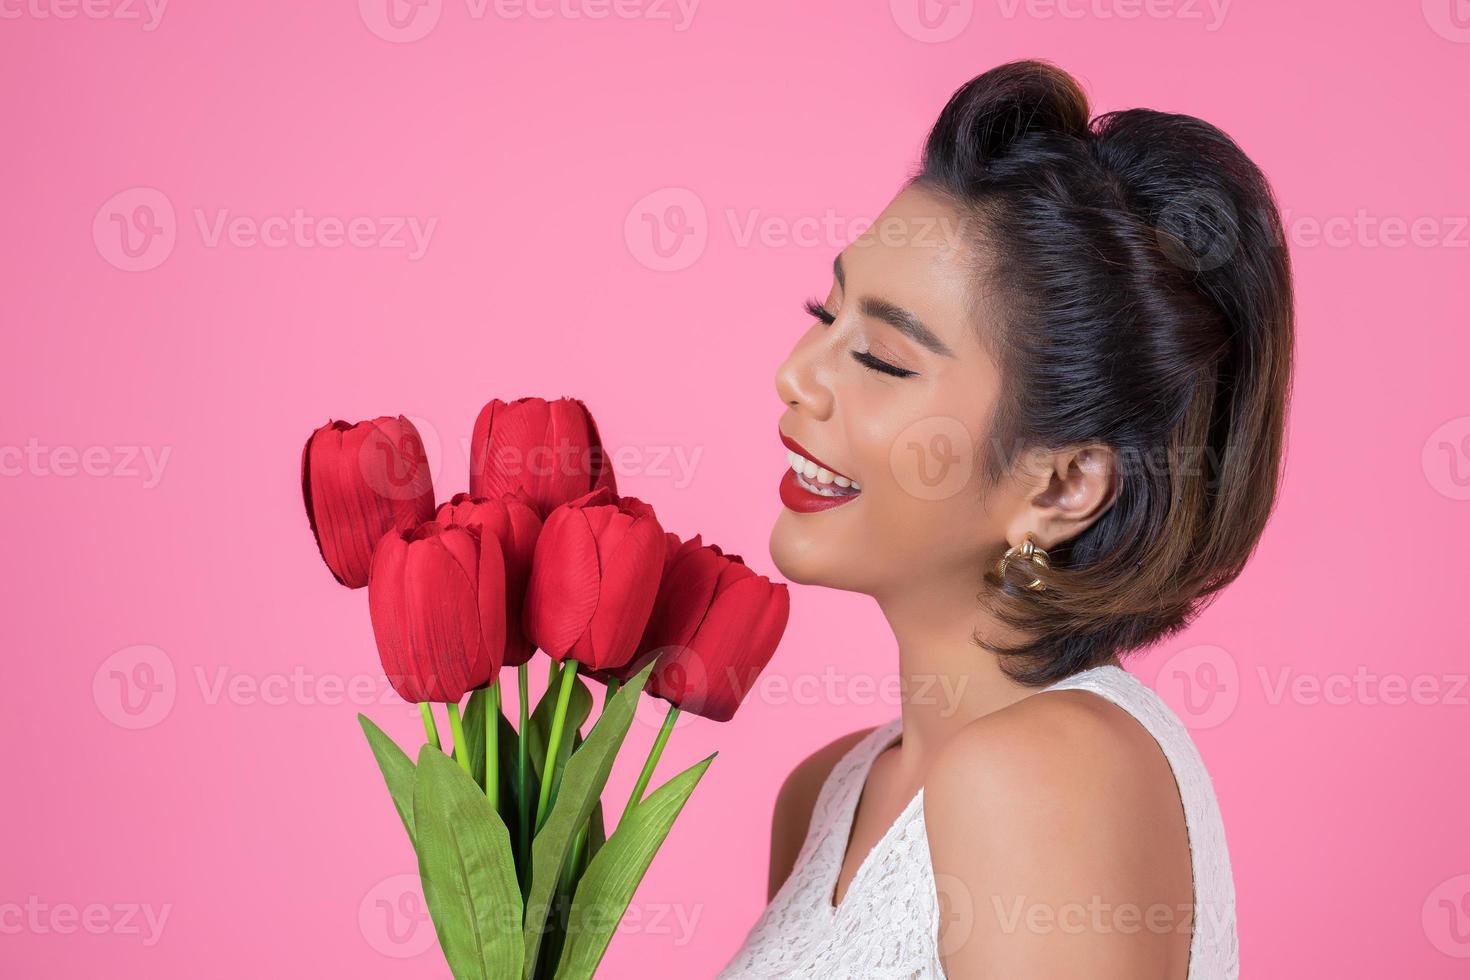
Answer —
820 490
819 479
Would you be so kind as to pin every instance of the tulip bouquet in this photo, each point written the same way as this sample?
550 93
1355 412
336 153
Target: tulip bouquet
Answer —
520 873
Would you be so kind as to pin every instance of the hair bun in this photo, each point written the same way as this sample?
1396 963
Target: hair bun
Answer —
993 112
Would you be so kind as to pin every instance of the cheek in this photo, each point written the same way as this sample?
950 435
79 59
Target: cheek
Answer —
924 488
922 451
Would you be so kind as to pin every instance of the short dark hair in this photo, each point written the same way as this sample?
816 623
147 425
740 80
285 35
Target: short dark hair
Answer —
1146 304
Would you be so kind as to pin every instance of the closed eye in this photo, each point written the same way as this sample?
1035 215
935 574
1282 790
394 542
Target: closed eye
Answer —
883 367
815 309
866 359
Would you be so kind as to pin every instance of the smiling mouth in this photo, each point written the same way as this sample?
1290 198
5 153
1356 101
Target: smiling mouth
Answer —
819 479
813 484
808 485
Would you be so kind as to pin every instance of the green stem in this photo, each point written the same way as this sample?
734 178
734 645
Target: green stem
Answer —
456 729
612 688
492 746
523 765
648 766
429 726
553 742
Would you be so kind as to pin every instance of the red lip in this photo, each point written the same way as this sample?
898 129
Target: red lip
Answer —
795 446
796 497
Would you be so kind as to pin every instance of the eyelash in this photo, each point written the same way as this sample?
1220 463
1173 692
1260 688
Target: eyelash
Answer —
867 360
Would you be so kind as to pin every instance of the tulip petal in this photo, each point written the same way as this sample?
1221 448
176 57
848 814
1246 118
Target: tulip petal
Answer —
387 610
519 548
603 476
737 639
566 437
684 597
565 577
480 448
521 429
460 544
492 602
629 586
443 621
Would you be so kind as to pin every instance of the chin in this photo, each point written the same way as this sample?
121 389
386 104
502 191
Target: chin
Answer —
794 554
802 558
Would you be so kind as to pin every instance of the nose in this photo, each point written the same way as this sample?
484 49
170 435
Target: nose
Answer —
800 380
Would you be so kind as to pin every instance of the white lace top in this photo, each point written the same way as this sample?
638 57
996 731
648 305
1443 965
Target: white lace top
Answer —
887 925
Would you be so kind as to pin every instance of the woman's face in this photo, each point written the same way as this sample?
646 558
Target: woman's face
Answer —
895 393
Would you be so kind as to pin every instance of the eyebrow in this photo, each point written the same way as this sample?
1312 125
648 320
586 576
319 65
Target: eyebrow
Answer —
897 317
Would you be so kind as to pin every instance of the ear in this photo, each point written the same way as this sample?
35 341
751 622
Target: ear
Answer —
1068 489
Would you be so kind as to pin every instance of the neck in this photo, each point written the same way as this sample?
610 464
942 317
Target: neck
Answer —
947 680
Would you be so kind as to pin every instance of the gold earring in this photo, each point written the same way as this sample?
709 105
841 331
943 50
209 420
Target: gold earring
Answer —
1027 551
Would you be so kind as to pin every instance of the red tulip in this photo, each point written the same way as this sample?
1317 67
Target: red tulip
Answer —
597 568
513 521
437 601
650 646
549 448
715 628
359 482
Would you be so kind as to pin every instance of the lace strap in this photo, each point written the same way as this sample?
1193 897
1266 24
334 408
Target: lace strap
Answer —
838 798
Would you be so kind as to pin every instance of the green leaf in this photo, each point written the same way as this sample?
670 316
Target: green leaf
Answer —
581 787
596 832
613 875
474 732
468 872
397 770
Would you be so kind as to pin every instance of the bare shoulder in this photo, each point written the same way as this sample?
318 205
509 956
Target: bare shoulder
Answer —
1070 746
1062 799
795 802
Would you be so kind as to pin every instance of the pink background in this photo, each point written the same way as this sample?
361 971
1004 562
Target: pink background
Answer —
242 800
